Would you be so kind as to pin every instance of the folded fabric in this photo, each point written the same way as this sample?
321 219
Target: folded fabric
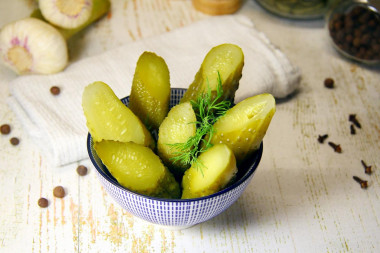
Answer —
57 123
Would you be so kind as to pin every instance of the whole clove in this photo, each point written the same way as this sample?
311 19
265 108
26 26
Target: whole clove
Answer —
367 169
363 183
354 120
336 147
352 129
322 138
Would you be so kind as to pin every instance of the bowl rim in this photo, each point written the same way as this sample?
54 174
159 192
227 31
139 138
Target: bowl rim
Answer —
256 157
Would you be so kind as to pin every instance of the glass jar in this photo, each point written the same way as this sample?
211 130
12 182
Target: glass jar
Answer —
354 29
296 9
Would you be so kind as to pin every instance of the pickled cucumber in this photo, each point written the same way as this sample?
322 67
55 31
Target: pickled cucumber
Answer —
150 93
177 127
226 60
138 168
218 168
109 119
243 126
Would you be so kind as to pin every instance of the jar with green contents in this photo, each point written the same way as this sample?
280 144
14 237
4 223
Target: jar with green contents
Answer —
296 9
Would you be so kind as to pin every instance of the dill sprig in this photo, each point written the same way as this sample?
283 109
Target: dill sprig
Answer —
208 110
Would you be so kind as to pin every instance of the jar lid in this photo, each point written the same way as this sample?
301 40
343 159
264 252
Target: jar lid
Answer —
217 7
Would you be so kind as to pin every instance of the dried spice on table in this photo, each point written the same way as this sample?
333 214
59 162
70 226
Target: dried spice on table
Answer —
363 183
354 120
5 129
55 90
329 83
59 192
367 169
82 170
352 130
322 138
14 141
337 148
43 202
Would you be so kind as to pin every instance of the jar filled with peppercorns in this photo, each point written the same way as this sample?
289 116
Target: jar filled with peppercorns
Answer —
354 28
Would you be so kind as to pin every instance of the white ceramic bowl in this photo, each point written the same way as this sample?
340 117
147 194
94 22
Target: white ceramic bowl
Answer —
174 213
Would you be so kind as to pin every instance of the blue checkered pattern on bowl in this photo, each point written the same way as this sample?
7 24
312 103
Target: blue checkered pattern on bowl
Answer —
174 212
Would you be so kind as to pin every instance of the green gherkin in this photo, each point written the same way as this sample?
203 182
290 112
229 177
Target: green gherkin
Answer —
244 126
138 168
107 118
150 93
218 169
177 127
225 60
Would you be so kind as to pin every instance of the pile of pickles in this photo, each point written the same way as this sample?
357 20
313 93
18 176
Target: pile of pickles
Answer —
145 164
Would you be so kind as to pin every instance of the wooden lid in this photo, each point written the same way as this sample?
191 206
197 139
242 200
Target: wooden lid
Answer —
217 7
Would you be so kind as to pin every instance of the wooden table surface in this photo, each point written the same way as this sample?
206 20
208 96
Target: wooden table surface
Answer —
302 198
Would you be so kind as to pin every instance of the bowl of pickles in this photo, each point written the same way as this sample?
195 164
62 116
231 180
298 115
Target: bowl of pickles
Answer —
177 157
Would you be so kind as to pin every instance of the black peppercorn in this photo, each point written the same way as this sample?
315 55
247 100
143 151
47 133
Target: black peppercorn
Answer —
329 83
357 32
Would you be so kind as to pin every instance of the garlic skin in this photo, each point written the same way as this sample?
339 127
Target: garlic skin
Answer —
67 14
31 46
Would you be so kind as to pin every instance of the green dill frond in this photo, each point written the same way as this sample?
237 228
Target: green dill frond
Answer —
207 111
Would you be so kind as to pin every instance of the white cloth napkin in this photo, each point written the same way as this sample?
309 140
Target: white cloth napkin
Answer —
57 123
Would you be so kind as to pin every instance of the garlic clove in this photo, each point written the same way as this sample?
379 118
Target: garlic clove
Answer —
31 46
68 14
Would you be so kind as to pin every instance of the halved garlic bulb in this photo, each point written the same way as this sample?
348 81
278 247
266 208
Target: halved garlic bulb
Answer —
68 14
30 46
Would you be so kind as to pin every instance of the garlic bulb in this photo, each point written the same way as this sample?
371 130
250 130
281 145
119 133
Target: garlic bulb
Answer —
68 14
30 45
